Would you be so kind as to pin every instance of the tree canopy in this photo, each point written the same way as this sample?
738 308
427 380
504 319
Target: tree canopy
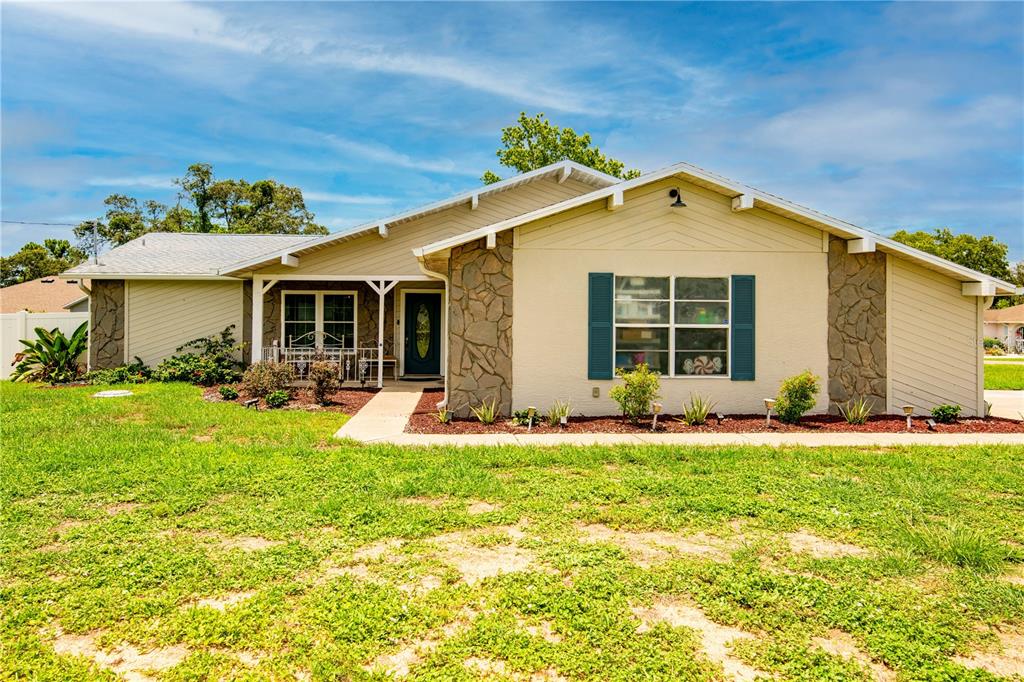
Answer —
535 142
205 204
34 261
984 254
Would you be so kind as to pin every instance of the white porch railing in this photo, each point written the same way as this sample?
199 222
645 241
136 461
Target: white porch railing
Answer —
354 364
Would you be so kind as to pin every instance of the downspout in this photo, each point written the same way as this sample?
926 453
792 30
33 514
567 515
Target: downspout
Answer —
88 337
447 321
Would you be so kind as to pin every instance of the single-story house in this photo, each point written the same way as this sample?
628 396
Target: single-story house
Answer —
1007 325
539 287
44 295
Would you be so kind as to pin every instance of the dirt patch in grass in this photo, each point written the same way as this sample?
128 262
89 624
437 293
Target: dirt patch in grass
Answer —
121 508
715 639
400 662
805 542
544 629
223 602
376 550
125 660
423 421
248 543
347 400
473 556
480 507
432 502
491 668
648 547
1005 660
839 643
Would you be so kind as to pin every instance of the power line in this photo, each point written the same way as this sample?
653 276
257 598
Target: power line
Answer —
34 222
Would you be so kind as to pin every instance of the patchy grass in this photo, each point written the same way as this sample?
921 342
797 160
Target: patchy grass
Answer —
266 550
1004 377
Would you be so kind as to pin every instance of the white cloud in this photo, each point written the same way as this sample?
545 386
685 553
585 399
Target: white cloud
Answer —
335 198
150 181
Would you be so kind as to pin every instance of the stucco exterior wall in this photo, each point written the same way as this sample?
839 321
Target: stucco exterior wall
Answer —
856 327
480 325
646 237
106 324
935 341
164 314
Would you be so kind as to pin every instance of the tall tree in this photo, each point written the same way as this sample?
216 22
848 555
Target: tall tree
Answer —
984 254
34 261
536 142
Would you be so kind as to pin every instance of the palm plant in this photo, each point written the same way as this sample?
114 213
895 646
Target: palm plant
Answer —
52 357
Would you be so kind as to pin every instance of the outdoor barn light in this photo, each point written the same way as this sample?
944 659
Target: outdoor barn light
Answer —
655 410
769 403
678 196
908 410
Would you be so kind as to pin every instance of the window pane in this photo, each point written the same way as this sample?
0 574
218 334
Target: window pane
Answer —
300 307
299 333
656 360
702 313
641 287
641 312
702 339
339 335
702 288
691 363
338 308
639 338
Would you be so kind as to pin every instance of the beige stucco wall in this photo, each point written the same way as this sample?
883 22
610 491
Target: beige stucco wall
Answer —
163 315
935 341
646 237
371 254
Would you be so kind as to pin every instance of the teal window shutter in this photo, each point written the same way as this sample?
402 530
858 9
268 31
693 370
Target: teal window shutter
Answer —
600 312
742 327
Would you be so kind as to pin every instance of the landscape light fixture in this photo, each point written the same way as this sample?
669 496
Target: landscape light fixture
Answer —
655 410
678 196
720 417
908 410
931 424
530 413
769 403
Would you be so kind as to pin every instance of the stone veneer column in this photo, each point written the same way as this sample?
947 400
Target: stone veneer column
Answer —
106 333
480 325
856 326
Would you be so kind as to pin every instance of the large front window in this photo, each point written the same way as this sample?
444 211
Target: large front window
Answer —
679 326
319 319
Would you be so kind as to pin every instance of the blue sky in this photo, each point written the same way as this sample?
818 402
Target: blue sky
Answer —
886 115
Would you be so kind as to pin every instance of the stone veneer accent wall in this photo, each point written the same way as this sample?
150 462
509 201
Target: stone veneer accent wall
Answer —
856 326
106 333
480 325
367 308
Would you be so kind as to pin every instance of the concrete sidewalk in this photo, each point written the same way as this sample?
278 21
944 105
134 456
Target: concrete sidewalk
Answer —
1008 404
385 416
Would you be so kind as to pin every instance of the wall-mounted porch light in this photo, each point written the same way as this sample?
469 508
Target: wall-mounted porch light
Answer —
678 196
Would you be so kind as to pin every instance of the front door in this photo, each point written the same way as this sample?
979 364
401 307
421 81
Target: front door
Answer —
422 333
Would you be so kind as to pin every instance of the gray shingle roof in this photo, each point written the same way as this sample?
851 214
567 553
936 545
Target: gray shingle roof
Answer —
184 253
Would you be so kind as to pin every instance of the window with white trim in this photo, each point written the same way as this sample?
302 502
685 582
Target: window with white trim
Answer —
318 319
679 326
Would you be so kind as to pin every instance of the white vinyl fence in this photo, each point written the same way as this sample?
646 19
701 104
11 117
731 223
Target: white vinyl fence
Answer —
15 326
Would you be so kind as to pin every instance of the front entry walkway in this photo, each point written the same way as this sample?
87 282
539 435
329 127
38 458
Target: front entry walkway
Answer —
385 415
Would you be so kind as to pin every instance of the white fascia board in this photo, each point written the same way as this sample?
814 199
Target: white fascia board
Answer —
456 200
730 188
978 289
149 275
862 245
743 202
615 201
290 260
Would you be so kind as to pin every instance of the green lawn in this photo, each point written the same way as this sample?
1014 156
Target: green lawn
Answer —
1004 377
203 541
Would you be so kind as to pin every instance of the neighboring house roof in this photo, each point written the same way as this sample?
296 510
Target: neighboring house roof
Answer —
753 198
1012 315
166 255
43 295
562 170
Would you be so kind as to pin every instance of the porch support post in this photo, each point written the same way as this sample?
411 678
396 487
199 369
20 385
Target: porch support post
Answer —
382 287
257 319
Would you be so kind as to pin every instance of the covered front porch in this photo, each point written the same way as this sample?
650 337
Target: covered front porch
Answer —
372 328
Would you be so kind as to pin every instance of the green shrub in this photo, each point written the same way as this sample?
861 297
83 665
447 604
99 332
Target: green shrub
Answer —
697 410
228 392
263 378
946 414
558 410
994 351
323 381
277 398
51 357
857 411
991 342
638 390
487 412
210 361
796 396
134 373
522 418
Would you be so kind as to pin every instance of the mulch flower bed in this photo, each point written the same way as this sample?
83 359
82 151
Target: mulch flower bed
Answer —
424 421
346 400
